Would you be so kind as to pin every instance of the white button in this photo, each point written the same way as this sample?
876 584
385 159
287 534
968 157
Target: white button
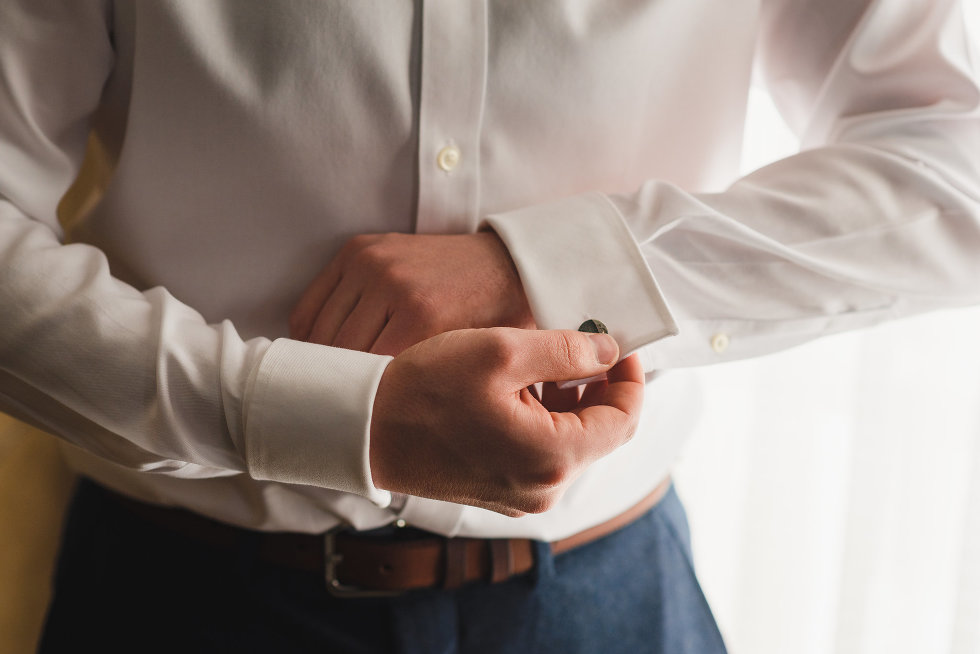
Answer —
448 158
400 523
719 343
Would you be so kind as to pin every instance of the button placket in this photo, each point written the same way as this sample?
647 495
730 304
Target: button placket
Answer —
453 78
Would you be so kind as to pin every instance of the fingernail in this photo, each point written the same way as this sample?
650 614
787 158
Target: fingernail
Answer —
605 347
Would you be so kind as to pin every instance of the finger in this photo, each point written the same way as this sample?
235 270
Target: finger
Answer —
304 314
559 399
556 355
589 434
627 371
361 328
593 392
610 414
334 312
607 415
398 334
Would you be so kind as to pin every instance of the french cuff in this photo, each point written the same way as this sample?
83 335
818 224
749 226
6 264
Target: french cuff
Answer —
308 417
578 261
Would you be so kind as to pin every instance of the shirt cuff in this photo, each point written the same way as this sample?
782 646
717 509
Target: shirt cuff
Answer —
578 261
308 417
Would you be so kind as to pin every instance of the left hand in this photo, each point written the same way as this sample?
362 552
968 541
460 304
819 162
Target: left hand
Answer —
383 293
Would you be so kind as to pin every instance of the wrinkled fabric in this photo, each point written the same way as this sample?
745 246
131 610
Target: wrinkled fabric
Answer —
248 139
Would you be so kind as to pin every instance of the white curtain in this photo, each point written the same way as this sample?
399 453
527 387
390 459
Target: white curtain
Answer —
834 493
834 490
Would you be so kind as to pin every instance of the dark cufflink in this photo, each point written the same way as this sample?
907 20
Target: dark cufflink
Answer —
593 327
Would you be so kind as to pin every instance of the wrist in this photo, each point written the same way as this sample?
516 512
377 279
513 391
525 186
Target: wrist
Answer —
517 312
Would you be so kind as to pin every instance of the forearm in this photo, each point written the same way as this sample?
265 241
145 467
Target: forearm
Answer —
878 218
137 376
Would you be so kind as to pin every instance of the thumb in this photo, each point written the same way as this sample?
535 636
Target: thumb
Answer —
561 355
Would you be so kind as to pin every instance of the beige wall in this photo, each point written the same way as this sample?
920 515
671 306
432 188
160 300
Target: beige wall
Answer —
35 485
34 490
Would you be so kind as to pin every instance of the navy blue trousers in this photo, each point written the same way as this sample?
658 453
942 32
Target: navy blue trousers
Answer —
124 585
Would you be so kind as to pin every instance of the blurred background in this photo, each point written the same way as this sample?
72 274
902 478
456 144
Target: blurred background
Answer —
833 490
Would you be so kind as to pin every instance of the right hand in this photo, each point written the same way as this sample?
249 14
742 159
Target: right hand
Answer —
454 420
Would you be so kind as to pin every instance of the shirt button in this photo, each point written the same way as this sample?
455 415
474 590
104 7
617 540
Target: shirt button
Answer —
719 343
448 158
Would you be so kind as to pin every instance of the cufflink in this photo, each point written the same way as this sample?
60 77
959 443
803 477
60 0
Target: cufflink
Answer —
593 327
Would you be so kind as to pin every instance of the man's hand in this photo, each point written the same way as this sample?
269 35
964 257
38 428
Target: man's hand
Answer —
454 419
385 292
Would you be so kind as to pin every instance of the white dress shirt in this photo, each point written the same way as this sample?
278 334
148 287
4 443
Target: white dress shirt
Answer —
248 139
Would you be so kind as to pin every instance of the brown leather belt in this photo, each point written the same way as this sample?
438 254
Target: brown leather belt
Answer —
361 564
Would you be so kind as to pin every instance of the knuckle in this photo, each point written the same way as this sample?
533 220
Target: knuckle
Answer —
501 349
553 475
550 473
538 502
390 277
425 307
353 249
399 280
370 258
417 306
359 241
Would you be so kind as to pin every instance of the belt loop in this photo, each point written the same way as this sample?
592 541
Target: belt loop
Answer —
455 571
501 559
544 561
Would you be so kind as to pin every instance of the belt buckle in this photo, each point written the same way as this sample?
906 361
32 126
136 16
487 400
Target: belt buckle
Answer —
331 559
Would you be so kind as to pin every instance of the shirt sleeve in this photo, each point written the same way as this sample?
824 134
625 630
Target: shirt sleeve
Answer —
877 217
137 377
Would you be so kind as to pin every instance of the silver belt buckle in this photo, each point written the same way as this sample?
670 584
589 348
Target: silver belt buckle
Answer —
332 559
